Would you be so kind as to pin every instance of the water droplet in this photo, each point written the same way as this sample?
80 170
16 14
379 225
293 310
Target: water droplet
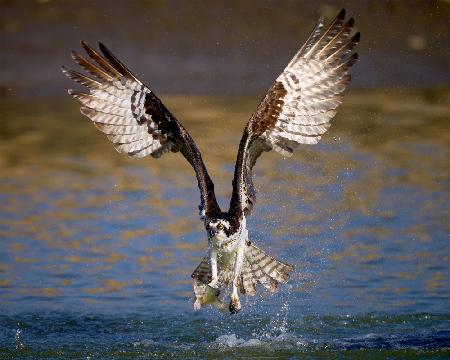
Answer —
19 343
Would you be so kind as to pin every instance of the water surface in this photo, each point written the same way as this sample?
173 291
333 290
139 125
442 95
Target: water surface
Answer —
97 249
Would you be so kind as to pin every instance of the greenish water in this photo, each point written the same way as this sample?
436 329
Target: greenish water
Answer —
97 249
184 336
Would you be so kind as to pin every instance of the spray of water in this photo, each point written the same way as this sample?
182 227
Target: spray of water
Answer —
19 343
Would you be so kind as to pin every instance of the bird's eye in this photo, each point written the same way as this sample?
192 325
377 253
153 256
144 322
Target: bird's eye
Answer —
220 227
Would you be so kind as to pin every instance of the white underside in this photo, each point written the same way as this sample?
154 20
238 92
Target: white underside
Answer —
227 253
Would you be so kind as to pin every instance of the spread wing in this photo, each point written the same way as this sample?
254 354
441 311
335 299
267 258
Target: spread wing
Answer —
133 118
298 107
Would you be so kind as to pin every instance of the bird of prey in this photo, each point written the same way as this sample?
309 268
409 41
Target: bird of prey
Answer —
297 109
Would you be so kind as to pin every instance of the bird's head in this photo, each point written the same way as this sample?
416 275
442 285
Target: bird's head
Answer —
218 228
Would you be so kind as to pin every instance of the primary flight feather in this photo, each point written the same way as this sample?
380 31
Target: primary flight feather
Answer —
297 109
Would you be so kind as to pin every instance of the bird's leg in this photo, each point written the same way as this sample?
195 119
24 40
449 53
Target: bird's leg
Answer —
235 304
213 259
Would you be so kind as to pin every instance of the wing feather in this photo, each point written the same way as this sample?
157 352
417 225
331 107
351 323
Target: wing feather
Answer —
132 117
298 107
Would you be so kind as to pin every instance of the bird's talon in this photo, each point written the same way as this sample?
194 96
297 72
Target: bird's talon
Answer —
235 306
233 309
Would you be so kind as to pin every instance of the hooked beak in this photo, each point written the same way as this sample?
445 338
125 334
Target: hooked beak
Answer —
211 232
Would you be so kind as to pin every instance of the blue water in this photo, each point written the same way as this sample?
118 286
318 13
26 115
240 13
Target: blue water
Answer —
181 335
97 250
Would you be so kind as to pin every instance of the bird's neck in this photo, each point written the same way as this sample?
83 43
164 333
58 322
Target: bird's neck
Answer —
231 243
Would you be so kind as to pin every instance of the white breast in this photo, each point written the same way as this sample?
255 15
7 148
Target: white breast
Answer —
225 244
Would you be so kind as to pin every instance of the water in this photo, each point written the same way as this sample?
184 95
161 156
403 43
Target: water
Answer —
226 47
97 249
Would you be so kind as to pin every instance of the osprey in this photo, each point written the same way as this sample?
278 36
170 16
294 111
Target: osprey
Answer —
297 109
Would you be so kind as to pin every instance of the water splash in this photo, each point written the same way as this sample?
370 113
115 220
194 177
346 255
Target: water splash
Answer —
19 343
278 324
274 335
282 341
231 341
144 343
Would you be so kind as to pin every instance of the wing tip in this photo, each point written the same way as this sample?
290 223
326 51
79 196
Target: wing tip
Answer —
86 46
320 21
74 55
351 22
103 48
77 94
351 60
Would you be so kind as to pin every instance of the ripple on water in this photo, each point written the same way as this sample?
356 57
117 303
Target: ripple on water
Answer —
363 216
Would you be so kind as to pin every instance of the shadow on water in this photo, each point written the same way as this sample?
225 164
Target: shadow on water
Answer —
97 249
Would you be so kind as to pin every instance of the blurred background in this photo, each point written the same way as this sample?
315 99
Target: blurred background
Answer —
97 249
228 47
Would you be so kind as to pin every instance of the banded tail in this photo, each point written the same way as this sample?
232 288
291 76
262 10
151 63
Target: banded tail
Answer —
258 267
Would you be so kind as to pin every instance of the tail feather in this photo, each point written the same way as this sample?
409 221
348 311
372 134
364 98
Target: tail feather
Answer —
203 273
248 282
259 267
263 278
